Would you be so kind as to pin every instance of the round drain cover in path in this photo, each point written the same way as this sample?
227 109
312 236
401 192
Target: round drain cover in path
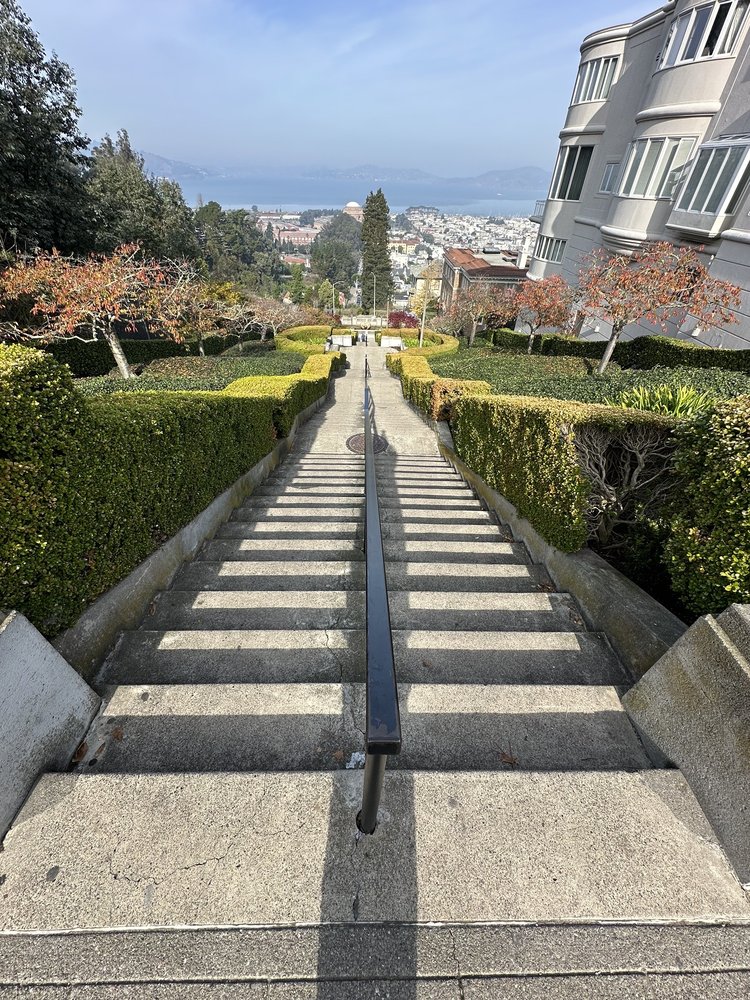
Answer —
356 443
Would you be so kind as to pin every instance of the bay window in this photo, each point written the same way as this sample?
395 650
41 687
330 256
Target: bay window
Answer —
653 167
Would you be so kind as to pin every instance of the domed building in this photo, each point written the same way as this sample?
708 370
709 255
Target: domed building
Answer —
354 209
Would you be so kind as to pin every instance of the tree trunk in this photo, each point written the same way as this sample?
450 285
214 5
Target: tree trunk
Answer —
117 353
610 349
201 349
472 332
530 348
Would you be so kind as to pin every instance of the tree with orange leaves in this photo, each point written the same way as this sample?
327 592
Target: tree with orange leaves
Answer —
85 299
656 284
544 303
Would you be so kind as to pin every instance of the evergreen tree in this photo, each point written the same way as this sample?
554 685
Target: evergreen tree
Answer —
376 261
296 285
125 199
177 233
42 193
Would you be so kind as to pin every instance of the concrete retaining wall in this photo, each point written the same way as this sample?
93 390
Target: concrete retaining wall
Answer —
640 629
86 644
692 709
45 711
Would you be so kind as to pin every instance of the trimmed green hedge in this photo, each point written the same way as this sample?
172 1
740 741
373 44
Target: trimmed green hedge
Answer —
290 394
510 340
187 374
90 487
526 449
433 395
650 351
95 358
708 549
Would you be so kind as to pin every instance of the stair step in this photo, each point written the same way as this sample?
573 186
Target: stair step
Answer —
258 609
452 551
469 577
466 501
449 532
245 656
115 850
268 575
429 515
423 492
174 656
277 501
330 491
295 727
306 515
315 528
483 612
257 549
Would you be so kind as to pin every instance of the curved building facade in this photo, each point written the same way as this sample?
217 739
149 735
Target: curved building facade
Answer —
656 146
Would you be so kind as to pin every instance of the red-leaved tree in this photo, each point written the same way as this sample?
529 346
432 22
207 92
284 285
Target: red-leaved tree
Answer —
402 320
544 303
84 299
475 305
659 283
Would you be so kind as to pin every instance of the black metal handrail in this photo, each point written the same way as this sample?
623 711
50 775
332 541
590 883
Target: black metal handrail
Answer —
383 721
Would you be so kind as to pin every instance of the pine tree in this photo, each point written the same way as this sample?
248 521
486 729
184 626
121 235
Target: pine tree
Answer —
376 261
296 285
42 194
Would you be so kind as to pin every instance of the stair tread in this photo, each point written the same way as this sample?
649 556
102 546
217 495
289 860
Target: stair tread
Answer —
279 848
318 726
261 655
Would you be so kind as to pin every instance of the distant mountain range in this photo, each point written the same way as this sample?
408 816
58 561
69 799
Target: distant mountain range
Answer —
322 187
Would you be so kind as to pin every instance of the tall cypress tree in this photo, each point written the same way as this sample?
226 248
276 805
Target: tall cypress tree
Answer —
376 261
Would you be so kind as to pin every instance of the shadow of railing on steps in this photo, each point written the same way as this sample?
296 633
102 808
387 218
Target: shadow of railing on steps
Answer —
383 722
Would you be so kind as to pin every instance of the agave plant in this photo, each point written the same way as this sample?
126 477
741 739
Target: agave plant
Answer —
677 401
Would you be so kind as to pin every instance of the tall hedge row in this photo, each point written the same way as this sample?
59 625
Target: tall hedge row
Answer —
91 486
650 351
434 395
708 550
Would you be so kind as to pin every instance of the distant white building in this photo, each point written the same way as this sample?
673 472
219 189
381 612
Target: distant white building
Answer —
656 145
354 209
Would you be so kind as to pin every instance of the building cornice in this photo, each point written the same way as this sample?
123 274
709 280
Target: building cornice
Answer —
736 235
567 133
693 109
620 32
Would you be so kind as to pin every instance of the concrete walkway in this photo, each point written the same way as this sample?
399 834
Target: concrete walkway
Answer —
523 834
405 432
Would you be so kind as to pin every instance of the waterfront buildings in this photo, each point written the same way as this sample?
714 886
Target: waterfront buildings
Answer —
656 146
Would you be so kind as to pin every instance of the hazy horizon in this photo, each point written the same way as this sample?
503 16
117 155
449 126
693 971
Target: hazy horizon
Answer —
246 84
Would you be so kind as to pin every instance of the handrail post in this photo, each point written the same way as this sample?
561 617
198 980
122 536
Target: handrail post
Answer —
372 788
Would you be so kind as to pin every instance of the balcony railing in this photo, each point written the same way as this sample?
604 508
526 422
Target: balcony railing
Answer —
383 722
539 209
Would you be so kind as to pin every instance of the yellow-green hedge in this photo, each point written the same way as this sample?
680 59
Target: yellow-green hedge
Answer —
290 394
435 396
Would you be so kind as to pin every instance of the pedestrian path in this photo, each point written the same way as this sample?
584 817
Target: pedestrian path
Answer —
223 775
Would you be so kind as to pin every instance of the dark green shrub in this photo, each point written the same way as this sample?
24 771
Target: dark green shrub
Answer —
95 358
90 487
707 553
650 351
511 340
560 345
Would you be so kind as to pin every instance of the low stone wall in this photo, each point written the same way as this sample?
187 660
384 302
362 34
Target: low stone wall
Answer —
45 711
692 709
86 644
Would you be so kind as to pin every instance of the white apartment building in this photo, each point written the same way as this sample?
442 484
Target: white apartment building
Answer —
656 145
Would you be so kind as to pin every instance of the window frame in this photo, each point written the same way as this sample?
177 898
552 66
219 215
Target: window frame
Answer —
567 170
682 36
552 244
614 177
638 160
593 76
693 182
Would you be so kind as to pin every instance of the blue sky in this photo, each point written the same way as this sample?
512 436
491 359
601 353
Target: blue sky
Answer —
454 87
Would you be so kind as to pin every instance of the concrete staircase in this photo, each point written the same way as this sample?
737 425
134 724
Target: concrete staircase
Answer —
205 842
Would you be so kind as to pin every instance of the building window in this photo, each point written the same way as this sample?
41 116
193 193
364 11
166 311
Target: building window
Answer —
704 31
570 172
548 248
595 79
717 180
609 178
654 167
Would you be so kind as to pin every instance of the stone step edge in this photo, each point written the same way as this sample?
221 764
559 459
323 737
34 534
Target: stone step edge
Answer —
249 952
